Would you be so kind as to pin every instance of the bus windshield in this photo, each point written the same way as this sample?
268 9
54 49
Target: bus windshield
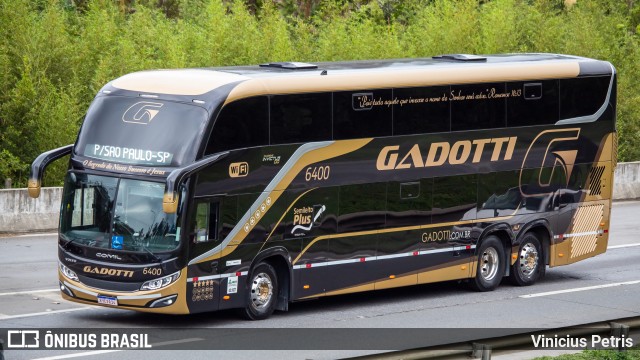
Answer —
142 132
117 214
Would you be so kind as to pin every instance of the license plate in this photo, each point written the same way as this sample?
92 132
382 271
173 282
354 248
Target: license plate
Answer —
107 300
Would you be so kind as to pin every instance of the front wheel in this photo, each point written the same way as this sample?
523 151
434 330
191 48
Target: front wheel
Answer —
491 265
530 263
262 293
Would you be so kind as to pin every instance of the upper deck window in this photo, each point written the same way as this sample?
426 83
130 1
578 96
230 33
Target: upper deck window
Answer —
242 123
361 114
300 118
532 103
478 106
140 131
422 110
582 96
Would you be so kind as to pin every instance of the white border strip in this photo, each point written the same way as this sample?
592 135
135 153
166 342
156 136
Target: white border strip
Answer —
220 276
383 257
579 289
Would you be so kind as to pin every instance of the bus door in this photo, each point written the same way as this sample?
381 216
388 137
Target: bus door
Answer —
206 224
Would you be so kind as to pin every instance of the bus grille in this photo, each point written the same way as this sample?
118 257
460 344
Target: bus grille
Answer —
595 180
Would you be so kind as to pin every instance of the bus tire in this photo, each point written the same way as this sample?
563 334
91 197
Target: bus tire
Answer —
262 293
529 265
491 265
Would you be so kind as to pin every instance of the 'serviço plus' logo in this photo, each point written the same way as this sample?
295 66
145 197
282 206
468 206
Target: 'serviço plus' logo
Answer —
549 152
141 112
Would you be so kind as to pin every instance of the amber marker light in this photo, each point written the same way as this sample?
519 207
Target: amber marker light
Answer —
392 276
306 287
226 297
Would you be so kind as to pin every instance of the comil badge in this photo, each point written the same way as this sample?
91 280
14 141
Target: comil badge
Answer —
141 112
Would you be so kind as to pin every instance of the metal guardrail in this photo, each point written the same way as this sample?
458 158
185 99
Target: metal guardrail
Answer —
484 348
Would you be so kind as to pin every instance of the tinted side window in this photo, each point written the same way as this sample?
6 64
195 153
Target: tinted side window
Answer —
582 96
498 194
532 103
243 123
300 118
454 198
478 106
421 110
362 207
361 114
409 203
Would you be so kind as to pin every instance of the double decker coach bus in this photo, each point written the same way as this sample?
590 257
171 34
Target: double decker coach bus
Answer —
250 187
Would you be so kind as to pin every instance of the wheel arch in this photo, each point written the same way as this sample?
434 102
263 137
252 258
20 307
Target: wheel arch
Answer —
279 258
503 232
542 229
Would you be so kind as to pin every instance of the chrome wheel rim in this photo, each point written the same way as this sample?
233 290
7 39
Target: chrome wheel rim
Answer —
489 264
261 291
528 259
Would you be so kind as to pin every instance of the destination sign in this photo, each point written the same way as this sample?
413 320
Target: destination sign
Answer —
128 155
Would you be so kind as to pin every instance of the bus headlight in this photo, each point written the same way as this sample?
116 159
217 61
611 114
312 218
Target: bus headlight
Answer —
161 282
68 273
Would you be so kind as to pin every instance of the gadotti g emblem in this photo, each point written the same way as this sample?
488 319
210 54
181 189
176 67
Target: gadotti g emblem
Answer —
551 151
141 112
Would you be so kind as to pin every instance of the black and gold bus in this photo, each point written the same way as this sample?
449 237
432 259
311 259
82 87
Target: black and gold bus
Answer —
251 187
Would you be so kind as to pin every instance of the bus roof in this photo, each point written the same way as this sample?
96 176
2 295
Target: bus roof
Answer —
291 78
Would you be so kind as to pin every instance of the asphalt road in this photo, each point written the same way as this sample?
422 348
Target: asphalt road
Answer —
29 299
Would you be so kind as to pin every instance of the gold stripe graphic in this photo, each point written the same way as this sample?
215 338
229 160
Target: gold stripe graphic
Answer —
586 220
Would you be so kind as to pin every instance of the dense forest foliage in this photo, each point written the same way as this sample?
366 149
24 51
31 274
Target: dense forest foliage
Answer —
56 54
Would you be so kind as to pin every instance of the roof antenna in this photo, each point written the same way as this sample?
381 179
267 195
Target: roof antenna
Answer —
324 72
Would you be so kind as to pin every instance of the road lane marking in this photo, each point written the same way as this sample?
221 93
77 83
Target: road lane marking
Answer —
580 289
6 317
36 235
29 292
622 246
99 352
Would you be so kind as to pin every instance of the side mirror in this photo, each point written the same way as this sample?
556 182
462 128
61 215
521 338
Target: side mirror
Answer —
40 164
177 176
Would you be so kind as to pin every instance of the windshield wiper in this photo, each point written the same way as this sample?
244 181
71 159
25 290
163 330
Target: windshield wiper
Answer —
155 257
69 240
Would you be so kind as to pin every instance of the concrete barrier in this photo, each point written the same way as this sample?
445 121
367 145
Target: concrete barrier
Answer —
19 213
626 181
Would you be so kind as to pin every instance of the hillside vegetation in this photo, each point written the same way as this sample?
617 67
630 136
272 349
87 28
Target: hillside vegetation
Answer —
56 54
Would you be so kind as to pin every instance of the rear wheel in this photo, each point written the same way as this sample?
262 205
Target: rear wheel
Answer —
491 265
262 293
529 265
